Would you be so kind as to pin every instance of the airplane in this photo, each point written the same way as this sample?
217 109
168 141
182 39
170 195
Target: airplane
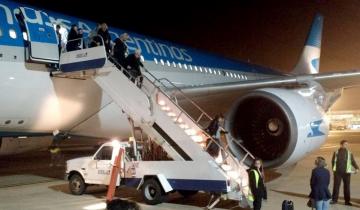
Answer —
278 117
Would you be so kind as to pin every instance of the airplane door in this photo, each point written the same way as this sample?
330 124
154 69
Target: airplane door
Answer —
41 39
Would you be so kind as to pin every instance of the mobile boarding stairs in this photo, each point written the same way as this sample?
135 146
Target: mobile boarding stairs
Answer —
154 108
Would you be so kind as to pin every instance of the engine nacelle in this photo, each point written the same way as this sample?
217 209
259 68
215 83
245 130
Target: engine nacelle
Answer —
277 125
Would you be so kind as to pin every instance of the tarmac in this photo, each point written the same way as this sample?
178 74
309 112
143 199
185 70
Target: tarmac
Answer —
28 183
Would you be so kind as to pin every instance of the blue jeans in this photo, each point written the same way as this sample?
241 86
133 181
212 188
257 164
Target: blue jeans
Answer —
322 205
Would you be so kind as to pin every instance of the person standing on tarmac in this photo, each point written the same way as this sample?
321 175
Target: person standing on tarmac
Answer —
319 183
55 153
342 163
256 183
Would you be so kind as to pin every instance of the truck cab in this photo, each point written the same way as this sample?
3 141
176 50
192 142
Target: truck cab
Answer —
96 169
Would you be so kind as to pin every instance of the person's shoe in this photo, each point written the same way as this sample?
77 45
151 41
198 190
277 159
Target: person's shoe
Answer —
333 202
348 204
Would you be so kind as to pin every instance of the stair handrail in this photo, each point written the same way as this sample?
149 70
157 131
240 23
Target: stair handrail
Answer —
247 152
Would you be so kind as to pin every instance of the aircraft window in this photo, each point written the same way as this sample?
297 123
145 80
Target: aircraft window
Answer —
190 66
180 66
245 77
205 69
156 61
12 33
25 36
219 72
142 58
1 33
185 66
196 69
231 75
161 61
200 69
174 64
242 76
227 74
105 153
210 71
168 63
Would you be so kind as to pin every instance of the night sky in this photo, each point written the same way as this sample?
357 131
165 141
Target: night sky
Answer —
269 33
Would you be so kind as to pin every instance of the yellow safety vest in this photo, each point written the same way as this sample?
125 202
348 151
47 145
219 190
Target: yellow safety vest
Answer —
348 162
257 177
55 150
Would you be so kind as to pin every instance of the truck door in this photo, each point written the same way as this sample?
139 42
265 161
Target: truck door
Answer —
39 34
100 167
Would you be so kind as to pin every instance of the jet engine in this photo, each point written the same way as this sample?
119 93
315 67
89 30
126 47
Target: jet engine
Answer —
280 126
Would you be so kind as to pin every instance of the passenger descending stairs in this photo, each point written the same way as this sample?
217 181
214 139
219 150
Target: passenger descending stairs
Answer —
157 112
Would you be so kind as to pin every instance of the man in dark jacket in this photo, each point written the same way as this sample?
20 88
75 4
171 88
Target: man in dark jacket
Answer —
120 49
257 186
105 35
342 163
74 39
319 183
133 64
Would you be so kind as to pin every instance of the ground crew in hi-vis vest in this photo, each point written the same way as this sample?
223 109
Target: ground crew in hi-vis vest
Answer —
342 163
256 182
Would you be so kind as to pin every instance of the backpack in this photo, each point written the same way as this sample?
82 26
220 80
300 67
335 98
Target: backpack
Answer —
287 205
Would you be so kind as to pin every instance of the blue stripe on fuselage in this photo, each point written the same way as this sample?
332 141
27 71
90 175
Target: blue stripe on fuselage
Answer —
151 48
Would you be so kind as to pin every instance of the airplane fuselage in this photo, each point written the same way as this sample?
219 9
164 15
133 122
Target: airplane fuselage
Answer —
33 102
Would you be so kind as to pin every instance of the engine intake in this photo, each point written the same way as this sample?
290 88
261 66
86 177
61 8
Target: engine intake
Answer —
268 121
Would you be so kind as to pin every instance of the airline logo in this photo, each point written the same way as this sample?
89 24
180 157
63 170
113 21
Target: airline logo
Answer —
315 129
37 20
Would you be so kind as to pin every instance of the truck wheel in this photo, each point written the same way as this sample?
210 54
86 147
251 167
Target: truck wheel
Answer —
77 185
187 193
152 192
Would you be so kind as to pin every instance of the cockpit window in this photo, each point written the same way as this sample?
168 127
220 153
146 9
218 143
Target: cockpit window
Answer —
105 153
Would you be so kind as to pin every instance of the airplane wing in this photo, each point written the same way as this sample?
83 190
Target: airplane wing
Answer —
329 81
